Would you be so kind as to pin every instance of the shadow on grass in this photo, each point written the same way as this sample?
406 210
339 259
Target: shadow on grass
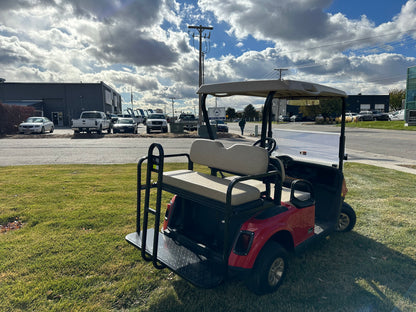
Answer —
345 272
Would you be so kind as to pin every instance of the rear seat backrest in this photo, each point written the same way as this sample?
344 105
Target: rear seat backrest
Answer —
240 159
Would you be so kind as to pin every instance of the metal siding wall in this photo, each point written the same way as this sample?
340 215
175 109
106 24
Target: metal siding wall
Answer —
69 98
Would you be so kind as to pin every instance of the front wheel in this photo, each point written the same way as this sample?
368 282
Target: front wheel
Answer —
347 218
269 270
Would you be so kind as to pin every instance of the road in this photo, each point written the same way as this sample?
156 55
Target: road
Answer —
382 147
386 148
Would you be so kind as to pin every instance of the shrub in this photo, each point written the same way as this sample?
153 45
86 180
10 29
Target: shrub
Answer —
11 116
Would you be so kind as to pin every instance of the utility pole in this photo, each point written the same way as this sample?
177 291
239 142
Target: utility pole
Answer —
280 72
278 101
173 111
131 98
200 29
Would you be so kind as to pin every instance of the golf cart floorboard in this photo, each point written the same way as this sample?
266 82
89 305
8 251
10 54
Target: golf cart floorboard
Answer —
195 268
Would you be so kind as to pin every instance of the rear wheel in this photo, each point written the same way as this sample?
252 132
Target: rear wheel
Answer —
269 270
347 218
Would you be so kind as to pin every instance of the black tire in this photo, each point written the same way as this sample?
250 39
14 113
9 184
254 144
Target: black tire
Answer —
109 130
269 270
43 130
165 130
100 131
347 218
51 131
147 130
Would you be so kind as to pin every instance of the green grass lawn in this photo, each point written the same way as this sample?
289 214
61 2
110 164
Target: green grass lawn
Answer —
390 125
70 254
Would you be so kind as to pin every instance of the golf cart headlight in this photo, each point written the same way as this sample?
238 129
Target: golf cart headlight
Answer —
243 243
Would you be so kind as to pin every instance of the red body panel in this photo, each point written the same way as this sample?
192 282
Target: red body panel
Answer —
298 222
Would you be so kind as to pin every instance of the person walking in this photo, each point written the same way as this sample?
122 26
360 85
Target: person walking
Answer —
242 124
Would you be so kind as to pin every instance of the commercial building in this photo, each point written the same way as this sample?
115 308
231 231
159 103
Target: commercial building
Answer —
61 102
410 104
354 104
358 103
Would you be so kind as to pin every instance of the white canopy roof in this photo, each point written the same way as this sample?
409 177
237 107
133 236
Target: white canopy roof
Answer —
283 89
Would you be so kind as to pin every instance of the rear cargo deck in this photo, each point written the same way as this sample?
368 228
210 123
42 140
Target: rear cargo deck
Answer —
196 268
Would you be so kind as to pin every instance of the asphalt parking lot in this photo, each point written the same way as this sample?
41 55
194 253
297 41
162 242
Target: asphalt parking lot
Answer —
390 149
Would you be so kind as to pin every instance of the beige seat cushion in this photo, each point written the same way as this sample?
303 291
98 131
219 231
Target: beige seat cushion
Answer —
239 158
210 186
285 190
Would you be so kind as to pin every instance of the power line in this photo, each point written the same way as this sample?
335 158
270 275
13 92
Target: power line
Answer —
352 41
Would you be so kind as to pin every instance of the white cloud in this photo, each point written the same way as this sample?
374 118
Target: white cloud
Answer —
145 45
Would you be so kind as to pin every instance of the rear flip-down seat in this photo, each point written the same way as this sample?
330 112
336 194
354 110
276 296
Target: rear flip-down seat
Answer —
240 159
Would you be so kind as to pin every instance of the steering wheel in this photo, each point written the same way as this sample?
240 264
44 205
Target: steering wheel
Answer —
286 160
269 144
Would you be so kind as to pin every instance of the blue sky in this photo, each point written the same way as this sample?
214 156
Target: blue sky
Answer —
146 46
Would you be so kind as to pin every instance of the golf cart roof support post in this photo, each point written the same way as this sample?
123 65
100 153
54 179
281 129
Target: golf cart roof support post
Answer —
205 115
342 136
270 132
266 114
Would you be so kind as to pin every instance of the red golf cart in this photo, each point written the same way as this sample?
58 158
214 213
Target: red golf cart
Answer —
253 208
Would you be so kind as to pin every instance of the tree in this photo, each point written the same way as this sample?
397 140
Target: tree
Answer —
310 110
230 113
331 107
396 97
250 112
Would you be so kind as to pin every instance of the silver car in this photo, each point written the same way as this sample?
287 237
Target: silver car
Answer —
36 125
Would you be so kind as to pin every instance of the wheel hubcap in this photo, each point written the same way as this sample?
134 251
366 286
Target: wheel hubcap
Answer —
343 222
276 271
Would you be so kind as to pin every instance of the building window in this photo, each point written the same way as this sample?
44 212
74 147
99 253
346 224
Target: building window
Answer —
364 107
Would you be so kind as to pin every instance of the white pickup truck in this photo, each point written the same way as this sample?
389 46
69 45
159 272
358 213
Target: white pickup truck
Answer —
91 121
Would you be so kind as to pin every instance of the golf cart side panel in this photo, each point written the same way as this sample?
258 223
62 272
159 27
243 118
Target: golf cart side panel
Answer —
289 228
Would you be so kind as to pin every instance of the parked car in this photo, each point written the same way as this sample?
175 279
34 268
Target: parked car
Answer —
156 122
319 119
125 125
221 125
284 118
36 125
365 116
295 118
377 115
349 117
397 115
